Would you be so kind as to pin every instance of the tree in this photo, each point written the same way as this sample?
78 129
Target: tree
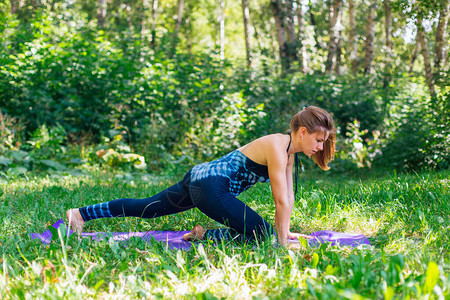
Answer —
301 29
417 11
388 44
154 23
414 55
144 30
441 30
312 18
101 13
388 25
34 3
145 7
246 18
129 15
337 65
263 35
352 41
370 35
286 37
222 30
13 6
177 25
188 27
292 38
334 33
281 34
426 57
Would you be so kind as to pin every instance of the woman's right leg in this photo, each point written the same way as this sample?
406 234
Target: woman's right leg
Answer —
211 196
170 201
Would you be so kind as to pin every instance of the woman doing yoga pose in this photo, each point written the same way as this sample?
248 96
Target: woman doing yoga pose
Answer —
212 187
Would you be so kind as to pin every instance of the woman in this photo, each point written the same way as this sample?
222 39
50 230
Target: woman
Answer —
212 187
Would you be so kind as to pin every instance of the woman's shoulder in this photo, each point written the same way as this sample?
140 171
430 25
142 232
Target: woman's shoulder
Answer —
270 138
260 149
265 141
272 141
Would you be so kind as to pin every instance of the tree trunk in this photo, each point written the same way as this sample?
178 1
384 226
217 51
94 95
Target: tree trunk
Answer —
13 6
222 30
256 34
246 18
334 35
426 58
289 17
258 37
338 27
34 4
116 4
145 6
301 29
388 25
352 40
414 55
313 23
129 17
281 34
440 40
388 35
188 35
101 13
144 31
370 34
179 18
285 28
154 23
177 27
52 6
337 65
275 45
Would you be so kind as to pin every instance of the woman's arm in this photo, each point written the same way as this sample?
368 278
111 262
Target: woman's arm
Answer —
277 161
291 199
290 187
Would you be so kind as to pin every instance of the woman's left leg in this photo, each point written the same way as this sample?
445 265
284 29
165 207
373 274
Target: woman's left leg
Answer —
170 201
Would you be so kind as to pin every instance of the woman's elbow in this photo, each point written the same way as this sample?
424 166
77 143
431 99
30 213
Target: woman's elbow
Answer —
281 203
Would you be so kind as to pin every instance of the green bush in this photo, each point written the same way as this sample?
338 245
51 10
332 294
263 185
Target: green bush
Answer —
348 98
11 133
59 73
60 77
417 134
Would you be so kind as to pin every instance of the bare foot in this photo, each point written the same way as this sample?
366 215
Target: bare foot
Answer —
196 234
75 220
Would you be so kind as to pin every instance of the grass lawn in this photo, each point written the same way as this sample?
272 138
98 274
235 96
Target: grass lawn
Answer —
405 216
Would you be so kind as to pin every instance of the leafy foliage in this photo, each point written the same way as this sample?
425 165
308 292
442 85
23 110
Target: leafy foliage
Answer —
62 73
417 134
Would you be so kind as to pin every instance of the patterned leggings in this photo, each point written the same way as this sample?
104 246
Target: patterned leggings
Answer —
210 195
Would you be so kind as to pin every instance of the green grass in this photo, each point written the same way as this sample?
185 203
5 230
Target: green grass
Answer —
405 216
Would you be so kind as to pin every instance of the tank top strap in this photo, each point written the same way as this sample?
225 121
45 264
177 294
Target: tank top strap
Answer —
296 164
290 140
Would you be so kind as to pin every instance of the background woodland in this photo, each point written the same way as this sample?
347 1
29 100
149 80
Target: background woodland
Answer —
148 84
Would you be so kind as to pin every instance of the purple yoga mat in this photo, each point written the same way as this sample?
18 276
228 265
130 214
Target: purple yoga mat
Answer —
174 239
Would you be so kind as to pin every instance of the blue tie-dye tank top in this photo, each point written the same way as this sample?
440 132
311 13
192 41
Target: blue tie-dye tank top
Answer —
241 171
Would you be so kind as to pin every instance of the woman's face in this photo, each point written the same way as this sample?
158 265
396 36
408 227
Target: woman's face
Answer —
313 142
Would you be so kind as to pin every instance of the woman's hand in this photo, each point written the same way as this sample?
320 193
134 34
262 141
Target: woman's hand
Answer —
296 236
